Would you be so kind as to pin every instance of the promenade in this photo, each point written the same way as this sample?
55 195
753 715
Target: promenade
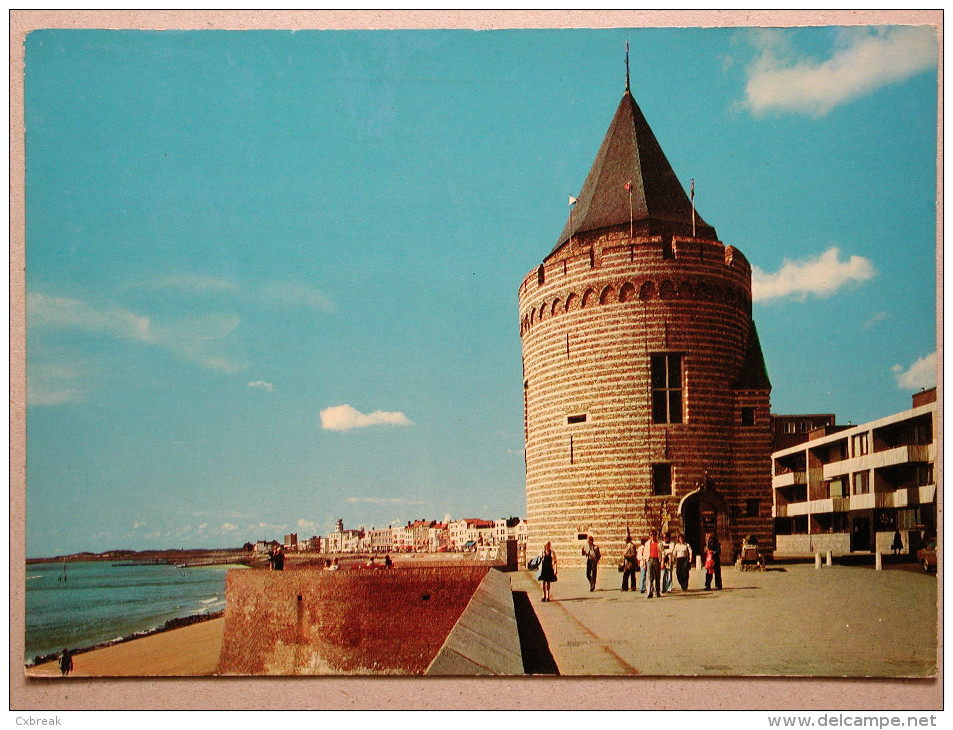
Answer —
791 620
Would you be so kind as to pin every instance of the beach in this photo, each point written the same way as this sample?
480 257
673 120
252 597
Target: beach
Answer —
186 652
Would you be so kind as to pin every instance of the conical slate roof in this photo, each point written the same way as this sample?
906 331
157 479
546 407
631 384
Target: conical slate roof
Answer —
754 374
631 153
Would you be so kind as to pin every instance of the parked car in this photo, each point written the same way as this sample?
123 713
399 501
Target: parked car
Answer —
926 555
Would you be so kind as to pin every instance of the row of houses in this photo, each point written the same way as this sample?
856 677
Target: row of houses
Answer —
421 536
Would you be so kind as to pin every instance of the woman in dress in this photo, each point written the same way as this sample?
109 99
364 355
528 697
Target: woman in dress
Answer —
682 552
547 570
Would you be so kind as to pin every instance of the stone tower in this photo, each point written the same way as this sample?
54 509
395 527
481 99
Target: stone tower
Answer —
646 398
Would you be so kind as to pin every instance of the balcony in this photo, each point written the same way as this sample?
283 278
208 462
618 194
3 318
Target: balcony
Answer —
789 479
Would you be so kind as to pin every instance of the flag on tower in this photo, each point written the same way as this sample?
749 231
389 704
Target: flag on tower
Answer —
572 200
693 188
628 185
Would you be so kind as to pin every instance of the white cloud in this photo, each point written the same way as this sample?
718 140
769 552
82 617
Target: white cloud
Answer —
290 294
821 276
876 319
344 418
49 384
382 500
864 61
228 527
264 385
309 526
137 525
189 283
922 374
197 338
202 527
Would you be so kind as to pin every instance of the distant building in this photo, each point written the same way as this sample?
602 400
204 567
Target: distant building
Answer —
291 542
311 545
438 537
850 489
344 541
381 540
788 431
467 533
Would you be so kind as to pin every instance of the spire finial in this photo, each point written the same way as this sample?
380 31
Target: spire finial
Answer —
626 64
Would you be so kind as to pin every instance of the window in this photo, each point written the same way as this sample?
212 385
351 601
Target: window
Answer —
790 427
747 416
579 418
924 474
666 388
661 479
861 483
860 444
752 507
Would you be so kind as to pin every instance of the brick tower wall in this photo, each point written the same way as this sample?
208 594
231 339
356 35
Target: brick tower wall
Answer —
590 318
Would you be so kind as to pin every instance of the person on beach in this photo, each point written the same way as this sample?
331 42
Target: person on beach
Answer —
643 563
593 555
547 570
653 553
630 564
682 554
388 563
712 550
277 558
66 662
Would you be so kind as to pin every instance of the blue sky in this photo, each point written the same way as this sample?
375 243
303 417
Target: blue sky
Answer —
272 276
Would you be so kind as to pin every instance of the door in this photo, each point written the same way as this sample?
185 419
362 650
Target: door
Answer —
860 535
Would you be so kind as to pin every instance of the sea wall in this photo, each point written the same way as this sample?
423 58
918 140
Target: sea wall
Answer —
485 640
396 621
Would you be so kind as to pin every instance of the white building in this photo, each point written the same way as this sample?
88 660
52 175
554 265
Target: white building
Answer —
851 489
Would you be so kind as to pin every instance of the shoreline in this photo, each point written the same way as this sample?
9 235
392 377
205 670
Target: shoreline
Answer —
172 624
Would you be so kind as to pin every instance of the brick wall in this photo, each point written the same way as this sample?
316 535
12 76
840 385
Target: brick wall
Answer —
309 621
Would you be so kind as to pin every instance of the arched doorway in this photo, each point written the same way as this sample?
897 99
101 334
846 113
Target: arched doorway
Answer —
705 511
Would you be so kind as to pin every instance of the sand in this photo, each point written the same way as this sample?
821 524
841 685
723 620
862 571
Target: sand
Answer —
186 652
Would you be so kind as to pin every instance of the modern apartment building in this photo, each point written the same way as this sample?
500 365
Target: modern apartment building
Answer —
850 489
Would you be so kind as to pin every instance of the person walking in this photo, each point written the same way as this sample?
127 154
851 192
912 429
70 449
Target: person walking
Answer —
667 564
653 553
547 571
682 554
713 548
277 558
593 555
629 565
643 563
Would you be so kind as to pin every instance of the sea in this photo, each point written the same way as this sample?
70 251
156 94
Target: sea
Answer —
99 601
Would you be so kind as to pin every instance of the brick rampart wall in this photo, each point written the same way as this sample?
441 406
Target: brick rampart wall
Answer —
342 622
588 331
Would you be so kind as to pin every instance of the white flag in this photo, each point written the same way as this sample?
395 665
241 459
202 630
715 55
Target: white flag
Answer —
572 200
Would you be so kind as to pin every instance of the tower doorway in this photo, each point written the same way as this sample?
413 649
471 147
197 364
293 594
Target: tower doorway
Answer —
705 511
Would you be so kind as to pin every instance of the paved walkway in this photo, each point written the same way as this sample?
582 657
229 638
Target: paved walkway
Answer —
793 620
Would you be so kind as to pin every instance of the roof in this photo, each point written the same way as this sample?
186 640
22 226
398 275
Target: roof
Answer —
631 153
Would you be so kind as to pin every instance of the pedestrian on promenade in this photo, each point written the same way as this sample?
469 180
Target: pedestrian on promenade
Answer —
66 662
653 552
643 563
629 564
388 563
682 553
593 555
713 548
277 558
897 544
667 563
547 571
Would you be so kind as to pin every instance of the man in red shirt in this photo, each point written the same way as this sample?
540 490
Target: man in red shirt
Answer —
653 553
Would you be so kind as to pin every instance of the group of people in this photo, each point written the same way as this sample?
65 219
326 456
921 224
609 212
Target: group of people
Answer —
655 560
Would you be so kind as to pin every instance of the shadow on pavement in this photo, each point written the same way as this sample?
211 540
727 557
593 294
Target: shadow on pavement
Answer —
537 659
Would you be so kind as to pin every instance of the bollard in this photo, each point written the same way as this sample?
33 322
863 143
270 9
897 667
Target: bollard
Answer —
878 561
817 561
830 558
698 562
